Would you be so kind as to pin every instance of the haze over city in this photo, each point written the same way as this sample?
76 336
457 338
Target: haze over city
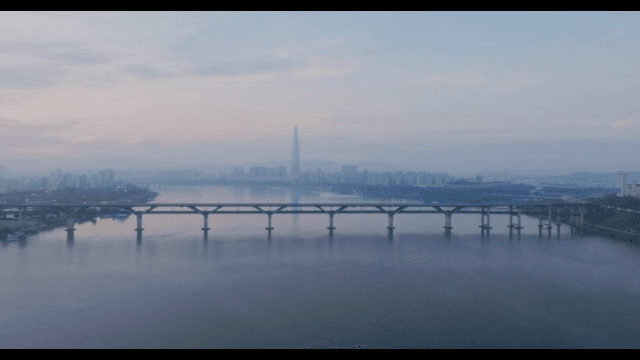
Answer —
518 92
319 180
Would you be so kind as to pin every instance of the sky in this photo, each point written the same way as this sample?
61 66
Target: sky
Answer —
460 92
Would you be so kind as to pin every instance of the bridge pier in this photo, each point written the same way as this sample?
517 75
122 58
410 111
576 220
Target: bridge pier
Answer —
139 222
540 226
331 228
486 226
269 227
390 227
575 220
447 222
206 222
519 220
70 223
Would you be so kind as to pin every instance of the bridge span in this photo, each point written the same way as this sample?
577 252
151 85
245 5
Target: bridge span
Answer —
575 212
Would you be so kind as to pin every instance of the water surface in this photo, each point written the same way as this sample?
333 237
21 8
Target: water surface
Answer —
302 288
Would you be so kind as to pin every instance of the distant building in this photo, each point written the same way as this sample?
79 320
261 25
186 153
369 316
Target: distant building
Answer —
45 183
349 169
621 183
68 180
84 181
479 179
633 190
94 180
258 171
295 154
238 170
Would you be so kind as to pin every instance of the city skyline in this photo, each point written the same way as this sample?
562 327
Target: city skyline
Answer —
452 180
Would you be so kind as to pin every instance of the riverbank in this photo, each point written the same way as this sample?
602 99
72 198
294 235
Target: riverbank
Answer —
121 192
601 216
32 227
485 194
35 222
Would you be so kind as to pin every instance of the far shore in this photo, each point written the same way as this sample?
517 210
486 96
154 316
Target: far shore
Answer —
35 223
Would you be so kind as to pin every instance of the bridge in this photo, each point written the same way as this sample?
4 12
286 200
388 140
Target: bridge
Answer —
574 211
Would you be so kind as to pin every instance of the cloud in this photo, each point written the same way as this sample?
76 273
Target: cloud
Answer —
21 77
35 49
313 73
370 52
27 65
623 125
12 131
65 52
615 33
35 147
283 53
227 69
457 78
147 72
82 57
518 82
329 43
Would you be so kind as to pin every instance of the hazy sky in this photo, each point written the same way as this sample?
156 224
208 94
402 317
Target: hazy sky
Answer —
450 92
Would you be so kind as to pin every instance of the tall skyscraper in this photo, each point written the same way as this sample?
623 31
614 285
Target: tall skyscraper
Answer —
295 155
621 183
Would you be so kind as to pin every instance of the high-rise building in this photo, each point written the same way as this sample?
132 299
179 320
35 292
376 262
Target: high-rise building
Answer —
258 171
350 169
295 155
621 182
633 190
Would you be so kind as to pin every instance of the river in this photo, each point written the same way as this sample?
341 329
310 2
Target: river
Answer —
301 288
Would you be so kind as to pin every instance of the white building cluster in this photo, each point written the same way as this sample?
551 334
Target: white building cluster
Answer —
626 189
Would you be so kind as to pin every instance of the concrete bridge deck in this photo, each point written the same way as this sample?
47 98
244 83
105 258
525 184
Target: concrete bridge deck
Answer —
575 211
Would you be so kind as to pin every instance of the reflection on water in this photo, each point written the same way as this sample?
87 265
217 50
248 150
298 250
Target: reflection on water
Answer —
236 285
295 199
70 239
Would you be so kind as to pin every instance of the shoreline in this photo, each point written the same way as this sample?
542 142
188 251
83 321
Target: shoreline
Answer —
482 194
622 224
33 227
36 223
